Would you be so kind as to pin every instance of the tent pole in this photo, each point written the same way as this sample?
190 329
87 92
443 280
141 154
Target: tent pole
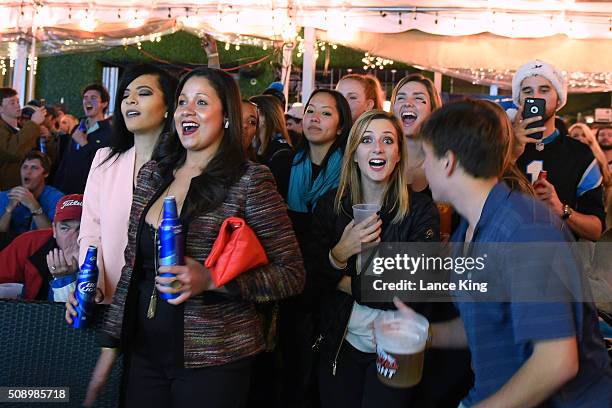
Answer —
286 70
310 61
19 70
31 77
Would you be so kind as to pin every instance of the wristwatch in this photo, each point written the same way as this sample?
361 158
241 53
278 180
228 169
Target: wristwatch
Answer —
567 212
39 211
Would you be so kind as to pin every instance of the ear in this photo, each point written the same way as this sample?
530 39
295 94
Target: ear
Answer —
370 104
53 229
451 163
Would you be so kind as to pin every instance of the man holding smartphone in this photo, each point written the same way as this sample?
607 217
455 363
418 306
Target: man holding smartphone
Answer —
572 188
15 140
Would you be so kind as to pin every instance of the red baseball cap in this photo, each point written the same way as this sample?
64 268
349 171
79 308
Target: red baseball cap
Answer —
69 207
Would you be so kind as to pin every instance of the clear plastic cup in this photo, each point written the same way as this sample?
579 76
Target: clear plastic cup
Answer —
363 211
400 348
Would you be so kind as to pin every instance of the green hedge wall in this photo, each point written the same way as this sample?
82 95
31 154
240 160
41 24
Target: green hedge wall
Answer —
66 75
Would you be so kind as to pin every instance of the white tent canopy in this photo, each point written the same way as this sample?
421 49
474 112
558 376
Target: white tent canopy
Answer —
480 40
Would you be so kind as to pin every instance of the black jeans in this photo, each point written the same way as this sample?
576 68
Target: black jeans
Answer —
152 385
356 384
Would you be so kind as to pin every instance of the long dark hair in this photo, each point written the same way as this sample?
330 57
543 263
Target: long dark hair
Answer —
346 122
273 117
121 139
228 164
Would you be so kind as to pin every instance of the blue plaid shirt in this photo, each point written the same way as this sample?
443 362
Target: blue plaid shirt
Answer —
501 335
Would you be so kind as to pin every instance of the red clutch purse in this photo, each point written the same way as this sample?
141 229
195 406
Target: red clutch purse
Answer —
235 251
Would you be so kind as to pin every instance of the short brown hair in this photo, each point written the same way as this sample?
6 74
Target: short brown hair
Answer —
478 133
6 93
36 155
101 90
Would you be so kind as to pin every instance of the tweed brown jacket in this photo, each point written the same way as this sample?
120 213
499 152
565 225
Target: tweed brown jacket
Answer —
220 329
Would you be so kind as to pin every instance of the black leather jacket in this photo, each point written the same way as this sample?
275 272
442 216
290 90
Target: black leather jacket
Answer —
421 225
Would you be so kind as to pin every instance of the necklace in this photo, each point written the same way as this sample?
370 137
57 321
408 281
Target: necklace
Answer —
153 300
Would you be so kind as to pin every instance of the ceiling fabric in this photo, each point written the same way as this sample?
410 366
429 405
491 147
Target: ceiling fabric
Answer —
478 40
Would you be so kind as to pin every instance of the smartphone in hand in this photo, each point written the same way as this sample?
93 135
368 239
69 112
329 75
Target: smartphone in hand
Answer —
534 107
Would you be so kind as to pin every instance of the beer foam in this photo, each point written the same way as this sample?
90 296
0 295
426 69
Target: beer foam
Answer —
402 336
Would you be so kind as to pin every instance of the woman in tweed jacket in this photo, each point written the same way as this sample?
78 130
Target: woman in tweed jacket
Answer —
198 347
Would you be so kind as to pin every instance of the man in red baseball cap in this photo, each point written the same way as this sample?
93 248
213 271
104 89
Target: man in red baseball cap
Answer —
45 260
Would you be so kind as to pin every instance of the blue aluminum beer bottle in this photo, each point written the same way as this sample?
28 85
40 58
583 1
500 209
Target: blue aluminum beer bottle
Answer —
85 293
82 128
171 241
42 144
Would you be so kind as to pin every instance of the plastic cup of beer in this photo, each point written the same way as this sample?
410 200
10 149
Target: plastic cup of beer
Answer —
363 211
400 348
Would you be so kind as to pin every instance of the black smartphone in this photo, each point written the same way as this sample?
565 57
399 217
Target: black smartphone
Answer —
535 107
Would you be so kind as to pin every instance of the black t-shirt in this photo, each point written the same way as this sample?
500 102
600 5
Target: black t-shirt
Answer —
571 168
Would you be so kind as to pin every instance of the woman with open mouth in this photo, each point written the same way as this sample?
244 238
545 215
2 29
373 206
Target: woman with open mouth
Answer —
198 348
373 172
414 98
145 101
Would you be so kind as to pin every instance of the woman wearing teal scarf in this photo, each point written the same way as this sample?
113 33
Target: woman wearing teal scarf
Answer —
314 171
316 167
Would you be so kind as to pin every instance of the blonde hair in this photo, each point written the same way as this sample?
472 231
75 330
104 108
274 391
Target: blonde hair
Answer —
587 130
395 195
597 152
371 88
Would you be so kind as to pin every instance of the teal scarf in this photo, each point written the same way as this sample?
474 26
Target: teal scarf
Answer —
303 192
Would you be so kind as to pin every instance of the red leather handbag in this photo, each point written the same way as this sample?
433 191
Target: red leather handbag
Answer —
236 250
